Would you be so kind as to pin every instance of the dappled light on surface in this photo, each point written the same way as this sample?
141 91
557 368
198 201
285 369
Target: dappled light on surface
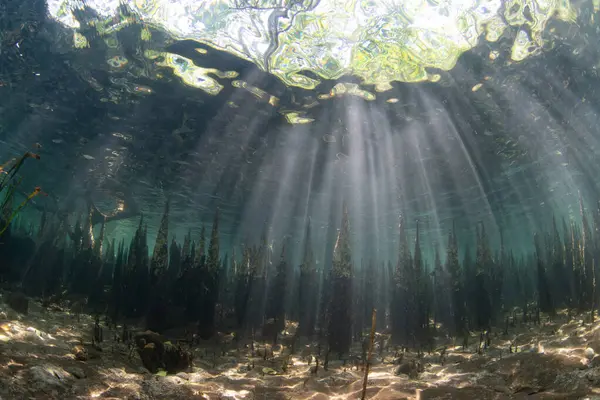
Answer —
380 42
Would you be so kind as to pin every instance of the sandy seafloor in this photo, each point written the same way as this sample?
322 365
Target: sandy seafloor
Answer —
47 354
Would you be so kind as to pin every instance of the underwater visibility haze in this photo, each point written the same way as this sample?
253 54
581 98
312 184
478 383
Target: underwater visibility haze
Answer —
264 194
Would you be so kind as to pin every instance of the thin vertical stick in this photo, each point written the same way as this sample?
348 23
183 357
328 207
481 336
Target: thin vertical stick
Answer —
373 321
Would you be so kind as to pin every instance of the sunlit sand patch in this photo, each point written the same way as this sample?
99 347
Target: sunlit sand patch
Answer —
97 393
595 328
296 362
242 394
448 377
5 333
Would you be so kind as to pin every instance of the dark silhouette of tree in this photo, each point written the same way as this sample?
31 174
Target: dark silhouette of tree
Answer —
136 274
157 315
275 313
496 281
442 295
459 315
560 277
174 270
339 327
257 284
201 248
545 302
402 304
117 294
160 257
483 261
242 288
308 288
209 281
370 281
586 261
421 297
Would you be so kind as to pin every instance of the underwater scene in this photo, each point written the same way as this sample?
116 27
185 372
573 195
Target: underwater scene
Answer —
299 199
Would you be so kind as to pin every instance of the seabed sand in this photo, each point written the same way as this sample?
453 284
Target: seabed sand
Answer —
48 355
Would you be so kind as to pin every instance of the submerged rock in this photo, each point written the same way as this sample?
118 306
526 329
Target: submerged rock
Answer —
158 354
86 352
18 302
76 372
589 353
411 368
403 369
48 377
184 376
